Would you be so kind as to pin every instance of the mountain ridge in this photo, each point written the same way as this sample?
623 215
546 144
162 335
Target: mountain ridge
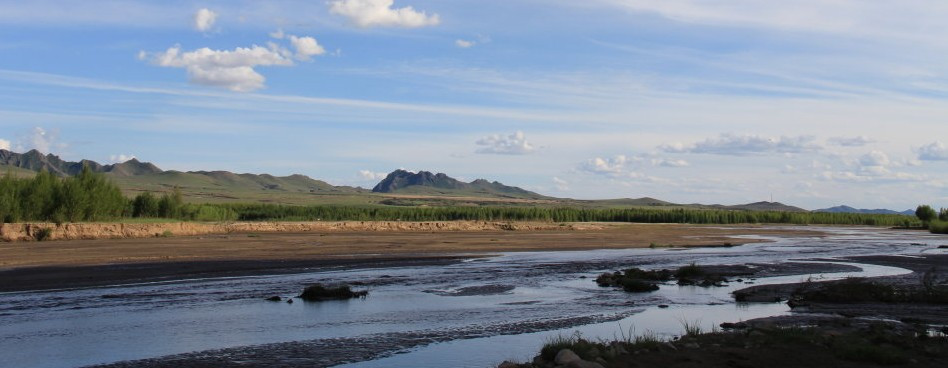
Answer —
426 182
879 211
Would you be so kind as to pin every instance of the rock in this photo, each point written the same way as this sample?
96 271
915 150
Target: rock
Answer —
583 364
289 300
663 306
565 356
508 364
274 299
668 346
733 326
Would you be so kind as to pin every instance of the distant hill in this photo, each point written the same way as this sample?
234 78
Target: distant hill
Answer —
35 161
766 206
880 211
424 182
136 176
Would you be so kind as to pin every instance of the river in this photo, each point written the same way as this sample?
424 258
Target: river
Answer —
474 313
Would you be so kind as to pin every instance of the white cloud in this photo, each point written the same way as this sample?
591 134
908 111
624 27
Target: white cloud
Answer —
278 34
606 166
231 69
120 158
464 44
668 162
732 144
379 13
935 151
4 144
514 144
858 141
370 175
204 19
306 47
872 167
42 140
561 185
875 158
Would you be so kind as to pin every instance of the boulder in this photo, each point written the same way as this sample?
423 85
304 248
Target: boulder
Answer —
566 356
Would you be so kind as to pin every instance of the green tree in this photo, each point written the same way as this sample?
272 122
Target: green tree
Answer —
943 214
925 213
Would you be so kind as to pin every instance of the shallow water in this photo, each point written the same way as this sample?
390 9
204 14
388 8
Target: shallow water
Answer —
414 311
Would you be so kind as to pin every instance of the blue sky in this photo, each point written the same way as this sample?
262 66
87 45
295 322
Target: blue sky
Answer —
815 102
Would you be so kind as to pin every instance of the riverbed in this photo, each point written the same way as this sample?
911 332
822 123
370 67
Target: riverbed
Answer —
473 313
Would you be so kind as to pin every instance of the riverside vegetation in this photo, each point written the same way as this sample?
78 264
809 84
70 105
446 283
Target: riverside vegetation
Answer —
90 196
936 222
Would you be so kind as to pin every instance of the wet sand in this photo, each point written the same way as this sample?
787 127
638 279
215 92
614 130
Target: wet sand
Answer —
81 263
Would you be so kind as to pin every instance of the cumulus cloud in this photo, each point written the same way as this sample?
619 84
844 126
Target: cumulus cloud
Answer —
120 158
464 44
738 145
231 69
370 175
935 151
607 166
514 144
380 13
306 47
873 166
204 19
4 144
858 141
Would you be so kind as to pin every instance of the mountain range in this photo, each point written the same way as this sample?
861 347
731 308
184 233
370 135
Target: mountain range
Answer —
400 187
847 209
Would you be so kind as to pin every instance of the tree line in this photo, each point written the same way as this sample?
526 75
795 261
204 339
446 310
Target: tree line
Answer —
90 196
261 212
936 222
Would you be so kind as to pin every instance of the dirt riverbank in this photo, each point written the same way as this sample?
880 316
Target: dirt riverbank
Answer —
71 263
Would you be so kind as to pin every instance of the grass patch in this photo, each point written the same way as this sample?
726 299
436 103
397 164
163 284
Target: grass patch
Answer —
166 234
43 234
634 280
859 290
938 227
319 292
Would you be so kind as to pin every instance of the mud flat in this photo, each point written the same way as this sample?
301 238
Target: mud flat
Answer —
273 248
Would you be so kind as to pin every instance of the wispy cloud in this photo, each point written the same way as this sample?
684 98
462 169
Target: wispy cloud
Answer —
857 141
733 144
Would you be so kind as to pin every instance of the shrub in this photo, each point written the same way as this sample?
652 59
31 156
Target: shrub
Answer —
43 234
938 227
689 271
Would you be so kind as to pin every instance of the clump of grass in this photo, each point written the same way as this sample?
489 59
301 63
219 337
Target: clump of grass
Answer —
634 280
583 348
938 227
690 271
319 292
166 234
43 234
859 290
692 328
